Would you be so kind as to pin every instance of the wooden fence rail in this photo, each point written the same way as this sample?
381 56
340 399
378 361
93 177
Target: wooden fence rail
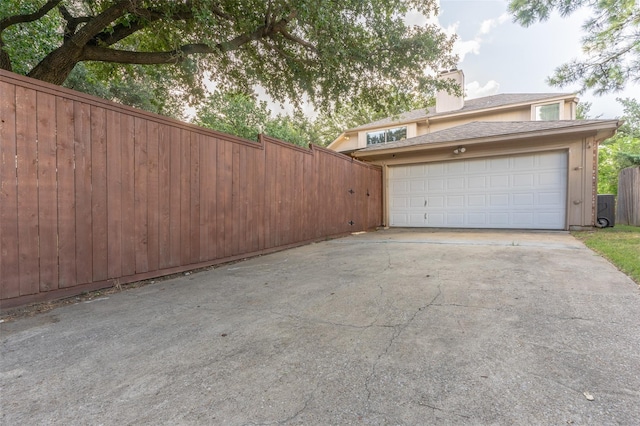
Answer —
95 194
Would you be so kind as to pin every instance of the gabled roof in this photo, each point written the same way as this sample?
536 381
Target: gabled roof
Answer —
490 129
470 105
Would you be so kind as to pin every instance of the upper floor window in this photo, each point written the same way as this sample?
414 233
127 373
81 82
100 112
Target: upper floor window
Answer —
386 136
547 112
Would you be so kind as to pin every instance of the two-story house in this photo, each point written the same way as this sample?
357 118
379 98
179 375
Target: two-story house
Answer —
518 161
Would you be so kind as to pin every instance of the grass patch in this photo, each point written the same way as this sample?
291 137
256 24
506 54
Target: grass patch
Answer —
620 244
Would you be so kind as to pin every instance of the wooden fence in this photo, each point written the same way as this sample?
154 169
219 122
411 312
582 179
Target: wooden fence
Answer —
628 210
96 194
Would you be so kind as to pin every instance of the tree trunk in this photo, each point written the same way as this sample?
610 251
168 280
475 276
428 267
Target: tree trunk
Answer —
5 61
57 65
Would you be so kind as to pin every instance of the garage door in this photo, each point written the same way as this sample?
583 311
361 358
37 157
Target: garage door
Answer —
520 192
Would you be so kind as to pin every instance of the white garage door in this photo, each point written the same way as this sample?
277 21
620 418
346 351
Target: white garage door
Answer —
520 192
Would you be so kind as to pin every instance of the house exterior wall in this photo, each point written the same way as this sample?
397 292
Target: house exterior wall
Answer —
358 139
581 169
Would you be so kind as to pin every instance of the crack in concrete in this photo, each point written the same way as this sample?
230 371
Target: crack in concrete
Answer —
397 330
320 321
434 408
301 410
466 306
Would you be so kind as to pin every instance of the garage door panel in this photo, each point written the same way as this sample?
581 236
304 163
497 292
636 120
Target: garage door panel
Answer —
479 166
436 170
435 184
551 160
527 191
522 218
525 199
476 200
399 187
499 200
524 180
416 202
552 179
455 201
436 201
417 171
455 168
524 162
399 203
499 219
499 164
455 220
454 184
477 182
500 181
477 219
417 186
435 219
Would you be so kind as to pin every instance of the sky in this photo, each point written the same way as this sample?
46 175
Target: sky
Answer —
500 56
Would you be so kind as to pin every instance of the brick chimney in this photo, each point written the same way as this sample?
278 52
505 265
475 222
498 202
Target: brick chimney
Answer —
446 102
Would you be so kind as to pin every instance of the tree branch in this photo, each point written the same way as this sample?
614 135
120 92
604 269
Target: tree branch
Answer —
29 17
103 54
286 34
121 31
72 21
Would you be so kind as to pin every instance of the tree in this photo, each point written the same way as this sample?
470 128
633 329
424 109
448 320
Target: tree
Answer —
243 115
329 51
620 151
611 44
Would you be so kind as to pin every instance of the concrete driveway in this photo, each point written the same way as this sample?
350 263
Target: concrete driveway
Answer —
391 327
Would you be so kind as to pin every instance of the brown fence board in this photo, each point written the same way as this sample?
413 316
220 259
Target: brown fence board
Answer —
238 219
9 262
174 198
185 197
27 154
153 209
141 201
127 139
114 195
164 197
99 192
207 178
83 193
103 194
66 203
47 197
194 200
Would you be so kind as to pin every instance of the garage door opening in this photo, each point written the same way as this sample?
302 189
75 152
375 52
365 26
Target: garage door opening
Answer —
507 192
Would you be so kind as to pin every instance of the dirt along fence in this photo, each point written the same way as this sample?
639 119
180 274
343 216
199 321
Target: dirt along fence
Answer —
95 194
628 211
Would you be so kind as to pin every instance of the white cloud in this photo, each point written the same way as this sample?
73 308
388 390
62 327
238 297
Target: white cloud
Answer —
462 48
474 90
489 24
